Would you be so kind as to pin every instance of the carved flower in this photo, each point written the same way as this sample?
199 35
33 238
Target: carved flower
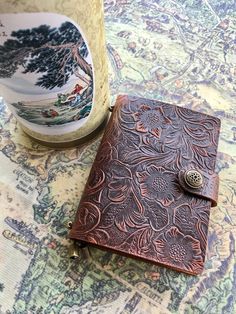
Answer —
158 184
157 215
95 182
150 120
127 213
194 136
194 143
120 182
179 250
87 218
97 177
104 155
185 218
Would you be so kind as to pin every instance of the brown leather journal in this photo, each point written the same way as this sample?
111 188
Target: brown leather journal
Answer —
152 185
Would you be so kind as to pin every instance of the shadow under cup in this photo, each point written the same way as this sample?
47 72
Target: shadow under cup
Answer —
48 77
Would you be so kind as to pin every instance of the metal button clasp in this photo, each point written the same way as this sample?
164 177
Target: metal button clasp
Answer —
193 178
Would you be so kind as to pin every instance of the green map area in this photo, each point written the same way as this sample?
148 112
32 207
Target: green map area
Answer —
181 52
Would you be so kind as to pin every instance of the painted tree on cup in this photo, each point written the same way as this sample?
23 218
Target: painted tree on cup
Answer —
56 53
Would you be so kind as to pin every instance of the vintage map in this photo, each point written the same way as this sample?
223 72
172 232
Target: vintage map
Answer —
178 51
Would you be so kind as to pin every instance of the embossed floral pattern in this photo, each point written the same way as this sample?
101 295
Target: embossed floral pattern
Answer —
194 143
195 140
88 217
156 183
125 214
157 216
119 186
150 120
184 218
133 202
95 182
179 250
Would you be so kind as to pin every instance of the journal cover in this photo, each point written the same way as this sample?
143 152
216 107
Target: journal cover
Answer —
152 184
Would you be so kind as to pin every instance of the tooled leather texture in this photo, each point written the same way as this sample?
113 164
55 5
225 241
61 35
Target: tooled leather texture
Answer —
133 202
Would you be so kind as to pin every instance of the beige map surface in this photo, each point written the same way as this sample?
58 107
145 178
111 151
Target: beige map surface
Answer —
181 52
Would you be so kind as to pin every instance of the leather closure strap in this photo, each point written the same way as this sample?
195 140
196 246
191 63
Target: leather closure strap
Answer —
207 185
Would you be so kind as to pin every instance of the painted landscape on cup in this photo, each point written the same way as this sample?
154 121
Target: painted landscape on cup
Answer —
61 65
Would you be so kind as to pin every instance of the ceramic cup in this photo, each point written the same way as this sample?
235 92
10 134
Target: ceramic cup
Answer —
53 70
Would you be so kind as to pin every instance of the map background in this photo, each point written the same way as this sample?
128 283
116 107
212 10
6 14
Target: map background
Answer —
181 52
